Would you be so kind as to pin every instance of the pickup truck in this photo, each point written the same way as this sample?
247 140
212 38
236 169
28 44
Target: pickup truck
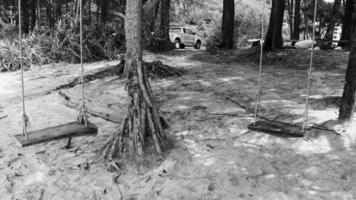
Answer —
182 37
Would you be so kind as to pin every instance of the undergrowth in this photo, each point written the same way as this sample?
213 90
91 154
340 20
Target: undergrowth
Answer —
44 45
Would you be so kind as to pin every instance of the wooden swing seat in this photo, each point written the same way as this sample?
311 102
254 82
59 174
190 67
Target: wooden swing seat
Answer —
69 130
280 129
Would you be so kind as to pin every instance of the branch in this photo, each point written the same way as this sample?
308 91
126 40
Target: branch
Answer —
118 14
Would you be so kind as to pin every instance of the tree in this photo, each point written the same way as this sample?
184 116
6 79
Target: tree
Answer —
164 40
142 121
296 29
347 104
33 14
165 7
228 21
290 5
274 38
104 10
331 25
25 17
348 24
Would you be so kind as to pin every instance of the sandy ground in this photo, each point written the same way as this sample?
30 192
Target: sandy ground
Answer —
213 155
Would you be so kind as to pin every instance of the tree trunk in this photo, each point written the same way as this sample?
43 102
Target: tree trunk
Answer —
331 26
274 38
25 17
50 15
296 31
33 14
58 9
104 11
89 11
290 17
164 41
38 7
142 120
348 98
228 22
150 15
348 24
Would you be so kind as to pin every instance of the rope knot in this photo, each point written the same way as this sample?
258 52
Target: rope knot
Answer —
25 125
82 114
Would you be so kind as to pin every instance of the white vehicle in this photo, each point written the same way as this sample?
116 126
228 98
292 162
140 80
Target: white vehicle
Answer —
182 37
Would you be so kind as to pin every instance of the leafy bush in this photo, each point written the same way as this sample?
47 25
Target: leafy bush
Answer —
44 45
99 42
33 52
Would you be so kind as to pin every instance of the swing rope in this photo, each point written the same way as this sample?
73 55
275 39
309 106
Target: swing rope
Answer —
258 95
82 117
306 112
25 119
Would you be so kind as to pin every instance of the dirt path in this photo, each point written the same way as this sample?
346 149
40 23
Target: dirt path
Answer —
214 155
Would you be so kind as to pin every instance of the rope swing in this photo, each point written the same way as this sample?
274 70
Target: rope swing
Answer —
81 127
259 90
82 117
272 126
306 112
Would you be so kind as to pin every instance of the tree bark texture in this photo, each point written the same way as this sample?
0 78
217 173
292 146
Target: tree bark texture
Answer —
331 26
228 21
348 25
25 17
296 30
347 104
33 14
290 17
274 38
38 11
104 10
150 14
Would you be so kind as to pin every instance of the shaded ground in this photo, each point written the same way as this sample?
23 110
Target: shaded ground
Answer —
214 155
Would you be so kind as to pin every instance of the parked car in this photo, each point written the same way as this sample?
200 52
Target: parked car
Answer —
182 37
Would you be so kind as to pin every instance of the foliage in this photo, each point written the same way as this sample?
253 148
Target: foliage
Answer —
99 41
44 45
323 14
33 53
248 24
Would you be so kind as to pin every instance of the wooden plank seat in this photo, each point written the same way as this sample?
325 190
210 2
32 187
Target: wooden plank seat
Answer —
280 129
69 130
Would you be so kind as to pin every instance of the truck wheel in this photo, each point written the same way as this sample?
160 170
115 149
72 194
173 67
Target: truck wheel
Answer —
197 45
182 46
177 44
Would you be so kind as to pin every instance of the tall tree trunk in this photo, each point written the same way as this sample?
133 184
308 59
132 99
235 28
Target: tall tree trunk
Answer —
348 24
165 7
50 17
348 98
25 17
58 9
274 38
33 14
164 41
296 30
228 21
89 11
104 11
97 10
331 25
290 17
150 15
38 7
142 121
